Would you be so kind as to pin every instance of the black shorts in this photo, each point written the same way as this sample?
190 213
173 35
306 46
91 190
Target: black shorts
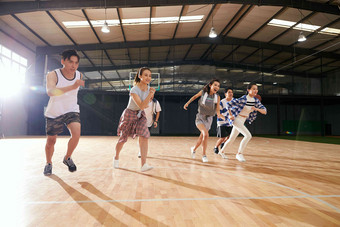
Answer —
223 131
54 126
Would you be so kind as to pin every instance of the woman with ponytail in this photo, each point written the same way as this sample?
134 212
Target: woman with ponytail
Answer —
208 105
240 110
133 121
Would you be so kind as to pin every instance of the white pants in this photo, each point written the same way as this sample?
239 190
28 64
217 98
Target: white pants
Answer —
238 127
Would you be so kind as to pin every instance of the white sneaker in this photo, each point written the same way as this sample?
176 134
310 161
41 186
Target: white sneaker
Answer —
145 167
223 155
204 159
240 157
139 155
115 163
193 152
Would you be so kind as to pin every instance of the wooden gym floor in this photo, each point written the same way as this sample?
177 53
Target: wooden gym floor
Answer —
283 183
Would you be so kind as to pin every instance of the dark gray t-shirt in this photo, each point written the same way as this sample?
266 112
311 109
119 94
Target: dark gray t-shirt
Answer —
142 95
209 108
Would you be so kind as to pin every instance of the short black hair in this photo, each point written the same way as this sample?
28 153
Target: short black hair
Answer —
67 54
228 88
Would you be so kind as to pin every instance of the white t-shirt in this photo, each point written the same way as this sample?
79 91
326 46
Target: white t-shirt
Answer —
142 95
153 108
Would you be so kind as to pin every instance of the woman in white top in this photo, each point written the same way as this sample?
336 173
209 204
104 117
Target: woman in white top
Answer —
240 110
133 121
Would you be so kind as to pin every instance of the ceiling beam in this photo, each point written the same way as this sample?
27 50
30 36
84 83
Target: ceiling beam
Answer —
30 29
185 41
283 9
248 10
32 6
321 66
199 32
212 63
149 49
285 32
212 47
16 40
70 38
174 35
95 33
121 27
307 37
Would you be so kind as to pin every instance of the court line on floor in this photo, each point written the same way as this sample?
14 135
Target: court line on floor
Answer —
179 199
304 194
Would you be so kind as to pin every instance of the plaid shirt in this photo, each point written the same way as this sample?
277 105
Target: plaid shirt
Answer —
132 125
236 106
224 111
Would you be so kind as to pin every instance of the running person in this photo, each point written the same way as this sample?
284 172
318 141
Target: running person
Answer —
62 86
152 113
223 125
133 120
240 110
208 105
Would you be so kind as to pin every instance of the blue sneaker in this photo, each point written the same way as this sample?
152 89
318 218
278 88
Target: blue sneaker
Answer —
48 169
70 164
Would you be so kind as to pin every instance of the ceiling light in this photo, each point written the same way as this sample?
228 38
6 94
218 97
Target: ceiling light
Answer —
274 83
330 31
105 28
236 71
267 74
281 23
302 37
303 27
135 21
212 33
279 75
306 27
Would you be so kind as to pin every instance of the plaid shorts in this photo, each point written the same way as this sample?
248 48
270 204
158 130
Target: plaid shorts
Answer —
54 126
131 125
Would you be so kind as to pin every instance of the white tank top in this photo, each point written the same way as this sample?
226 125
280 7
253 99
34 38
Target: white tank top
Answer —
65 103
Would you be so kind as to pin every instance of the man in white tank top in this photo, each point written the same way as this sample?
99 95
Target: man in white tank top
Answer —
62 86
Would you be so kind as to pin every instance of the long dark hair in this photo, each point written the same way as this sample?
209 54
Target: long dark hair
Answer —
249 86
206 88
139 72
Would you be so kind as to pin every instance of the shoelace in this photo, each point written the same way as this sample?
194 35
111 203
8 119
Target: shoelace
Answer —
70 162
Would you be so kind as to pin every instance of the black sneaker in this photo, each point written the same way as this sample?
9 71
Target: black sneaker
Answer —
48 169
71 166
216 150
222 144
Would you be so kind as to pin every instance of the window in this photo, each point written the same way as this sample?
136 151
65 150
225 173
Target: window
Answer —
12 72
